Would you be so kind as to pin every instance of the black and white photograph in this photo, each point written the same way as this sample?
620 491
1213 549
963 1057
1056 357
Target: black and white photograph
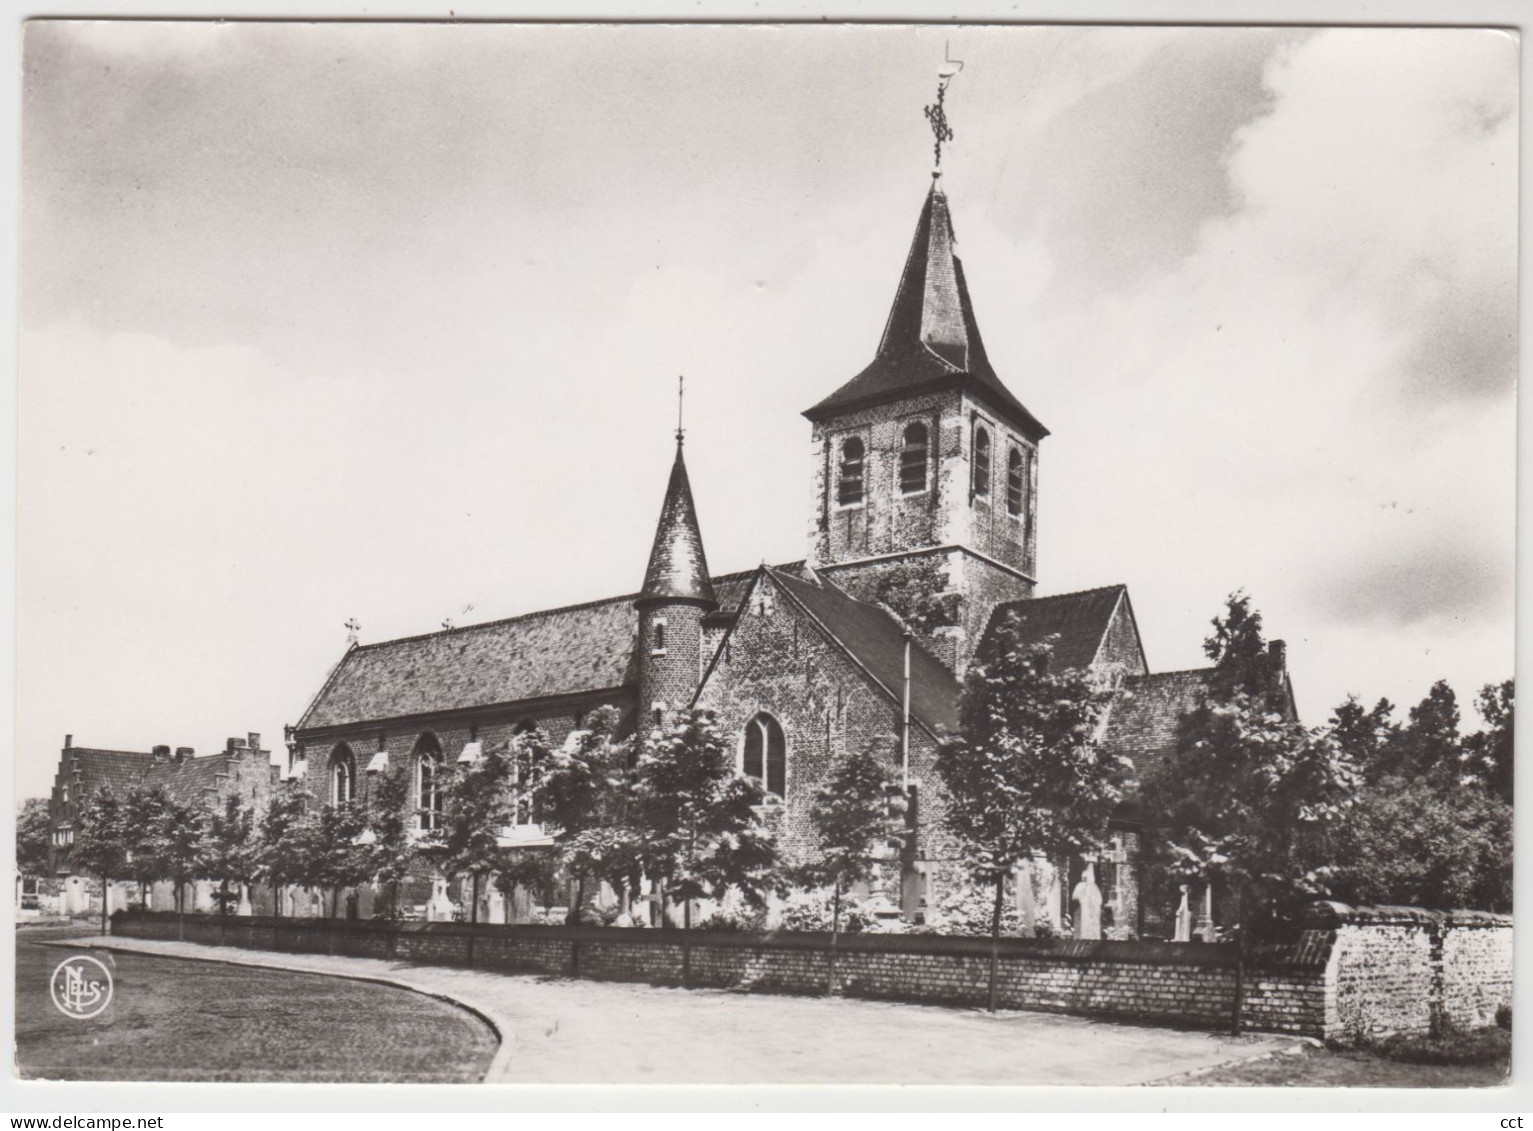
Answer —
766 554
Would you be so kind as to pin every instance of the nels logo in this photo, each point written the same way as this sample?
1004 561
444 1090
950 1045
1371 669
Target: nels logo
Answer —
81 987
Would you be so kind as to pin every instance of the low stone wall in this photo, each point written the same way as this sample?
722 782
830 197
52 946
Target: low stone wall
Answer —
1352 973
1407 970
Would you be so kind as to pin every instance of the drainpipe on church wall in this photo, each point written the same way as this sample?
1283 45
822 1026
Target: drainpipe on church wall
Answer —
910 879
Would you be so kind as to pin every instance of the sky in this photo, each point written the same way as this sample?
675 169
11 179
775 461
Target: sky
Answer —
379 321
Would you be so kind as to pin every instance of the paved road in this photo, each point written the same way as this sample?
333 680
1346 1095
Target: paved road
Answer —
562 1031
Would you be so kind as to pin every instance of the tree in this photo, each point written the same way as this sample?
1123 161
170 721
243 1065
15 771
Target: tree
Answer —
101 844
859 810
279 849
33 829
1024 775
1488 754
229 851
1248 796
534 870
700 835
1364 735
393 844
184 827
582 799
331 848
1430 742
147 819
476 805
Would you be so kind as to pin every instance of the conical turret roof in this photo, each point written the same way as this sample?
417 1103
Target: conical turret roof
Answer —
678 568
931 338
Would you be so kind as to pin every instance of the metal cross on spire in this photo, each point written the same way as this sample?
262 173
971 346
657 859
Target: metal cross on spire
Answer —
936 113
681 391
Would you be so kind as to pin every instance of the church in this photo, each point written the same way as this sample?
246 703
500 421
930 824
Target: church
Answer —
924 534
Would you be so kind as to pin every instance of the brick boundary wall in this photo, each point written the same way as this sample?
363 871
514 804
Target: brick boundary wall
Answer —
1354 972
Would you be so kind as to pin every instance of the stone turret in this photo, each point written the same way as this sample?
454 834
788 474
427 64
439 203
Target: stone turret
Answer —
677 594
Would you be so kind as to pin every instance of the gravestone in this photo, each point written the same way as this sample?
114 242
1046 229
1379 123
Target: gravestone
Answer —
1205 929
1086 900
1027 911
1183 919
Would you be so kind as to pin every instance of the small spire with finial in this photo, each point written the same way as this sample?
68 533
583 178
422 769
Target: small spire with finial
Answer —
681 392
936 113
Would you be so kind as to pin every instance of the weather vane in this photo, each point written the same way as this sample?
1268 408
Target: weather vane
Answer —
936 114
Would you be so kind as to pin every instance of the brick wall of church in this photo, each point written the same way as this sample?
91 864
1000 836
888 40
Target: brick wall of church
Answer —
668 673
776 661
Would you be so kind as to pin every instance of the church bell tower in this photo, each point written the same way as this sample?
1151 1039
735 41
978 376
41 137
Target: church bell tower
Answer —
925 463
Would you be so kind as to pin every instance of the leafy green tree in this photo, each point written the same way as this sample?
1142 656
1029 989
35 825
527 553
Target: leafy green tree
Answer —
101 844
1364 735
477 804
1024 775
1429 743
858 811
1488 753
279 844
393 850
583 801
229 850
1410 840
1249 798
332 851
699 831
534 870
33 829
184 829
148 818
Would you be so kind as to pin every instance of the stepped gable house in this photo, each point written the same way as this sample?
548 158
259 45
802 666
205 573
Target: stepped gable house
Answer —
925 467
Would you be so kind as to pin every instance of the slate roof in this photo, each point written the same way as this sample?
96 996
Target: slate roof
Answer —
537 655
1146 712
931 339
678 568
876 640
190 780
120 771
1081 621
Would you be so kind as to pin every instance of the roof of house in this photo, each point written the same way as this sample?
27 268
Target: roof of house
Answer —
1080 620
931 338
189 780
876 640
678 568
1147 711
120 771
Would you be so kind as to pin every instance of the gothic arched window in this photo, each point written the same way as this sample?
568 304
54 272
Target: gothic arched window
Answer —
1016 478
343 776
428 782
981 461
849 488
913 457
765 754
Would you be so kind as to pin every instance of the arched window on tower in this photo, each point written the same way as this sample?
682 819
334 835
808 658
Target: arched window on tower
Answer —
428 782
1016 478
913 460
764 754
849 488
343 776
981 461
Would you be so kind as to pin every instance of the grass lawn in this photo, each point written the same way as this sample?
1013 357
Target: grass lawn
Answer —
172 1019
1350 1068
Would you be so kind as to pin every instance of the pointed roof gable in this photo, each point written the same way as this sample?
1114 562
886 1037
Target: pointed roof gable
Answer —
931 339
875 640
678 568
1080 620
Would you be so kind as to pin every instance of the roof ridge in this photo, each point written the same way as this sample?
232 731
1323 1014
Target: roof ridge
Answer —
497 622
104 750
1072 593
1174 671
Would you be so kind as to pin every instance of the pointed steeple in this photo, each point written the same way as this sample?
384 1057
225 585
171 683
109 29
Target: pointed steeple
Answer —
931 339
678 568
